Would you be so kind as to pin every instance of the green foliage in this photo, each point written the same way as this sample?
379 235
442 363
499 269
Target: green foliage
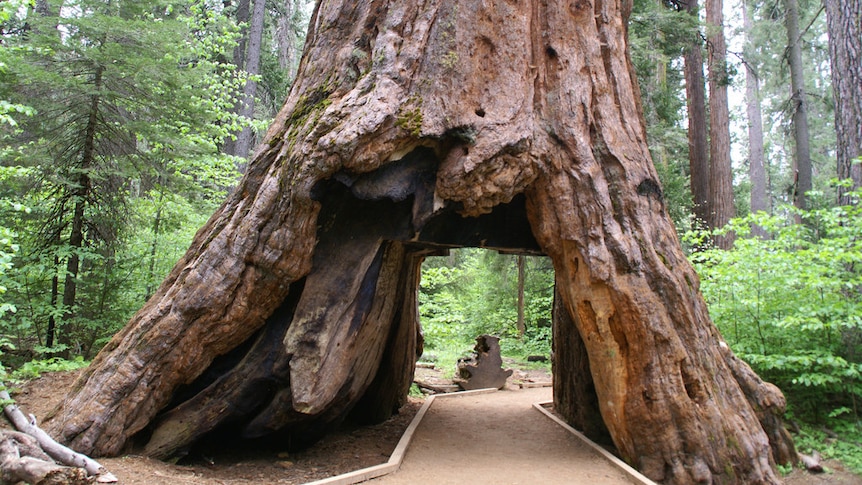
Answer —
840 442
658 36
474 292
35 368
133 102
790 303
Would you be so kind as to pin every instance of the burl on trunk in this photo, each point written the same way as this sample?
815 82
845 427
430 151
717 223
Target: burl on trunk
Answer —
413 127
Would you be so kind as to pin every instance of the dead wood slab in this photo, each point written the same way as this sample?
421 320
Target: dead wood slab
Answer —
485 370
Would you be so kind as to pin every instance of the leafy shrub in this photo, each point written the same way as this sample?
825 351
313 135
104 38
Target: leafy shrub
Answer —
789 302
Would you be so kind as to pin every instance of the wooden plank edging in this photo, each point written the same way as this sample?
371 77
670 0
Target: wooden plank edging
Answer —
397 456
625 467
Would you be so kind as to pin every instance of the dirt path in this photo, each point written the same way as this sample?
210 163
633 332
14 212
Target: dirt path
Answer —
498 438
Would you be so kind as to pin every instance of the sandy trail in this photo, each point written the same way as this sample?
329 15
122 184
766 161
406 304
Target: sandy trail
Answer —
498 438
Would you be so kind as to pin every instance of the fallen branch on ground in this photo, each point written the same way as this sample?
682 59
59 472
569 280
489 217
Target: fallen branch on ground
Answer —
37 464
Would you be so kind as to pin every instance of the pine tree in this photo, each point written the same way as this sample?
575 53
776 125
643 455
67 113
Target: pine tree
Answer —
128 92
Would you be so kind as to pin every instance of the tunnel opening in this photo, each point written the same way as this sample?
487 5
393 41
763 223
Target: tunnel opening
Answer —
374 231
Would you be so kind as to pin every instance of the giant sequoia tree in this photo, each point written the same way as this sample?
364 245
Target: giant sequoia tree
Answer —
413 127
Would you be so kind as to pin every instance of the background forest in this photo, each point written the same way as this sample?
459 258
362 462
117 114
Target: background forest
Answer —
123 125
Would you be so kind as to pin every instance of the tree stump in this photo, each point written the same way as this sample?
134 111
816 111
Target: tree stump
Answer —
413 127
485 371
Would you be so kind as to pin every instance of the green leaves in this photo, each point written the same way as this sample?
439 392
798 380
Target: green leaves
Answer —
790 303
474 292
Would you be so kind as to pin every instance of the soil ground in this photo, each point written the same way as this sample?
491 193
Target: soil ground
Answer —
350 448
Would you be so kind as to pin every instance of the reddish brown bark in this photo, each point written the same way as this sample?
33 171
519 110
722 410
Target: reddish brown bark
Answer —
416 126
845 51
720 205
698 144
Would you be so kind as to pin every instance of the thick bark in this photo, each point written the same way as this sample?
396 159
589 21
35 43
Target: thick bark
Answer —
415 126
698 144
845 51
756 170
574 391
802 157
720 171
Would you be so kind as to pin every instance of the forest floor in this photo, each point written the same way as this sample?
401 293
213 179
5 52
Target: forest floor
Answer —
348 449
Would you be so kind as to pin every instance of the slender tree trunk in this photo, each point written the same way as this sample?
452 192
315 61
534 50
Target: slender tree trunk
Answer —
151 269
522 326
81 195
698 144
720 169
245 138
799 105
285 33
530 137
756 170
845 50
242 16
50 333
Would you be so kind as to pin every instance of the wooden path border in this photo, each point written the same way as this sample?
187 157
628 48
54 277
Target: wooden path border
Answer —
397 456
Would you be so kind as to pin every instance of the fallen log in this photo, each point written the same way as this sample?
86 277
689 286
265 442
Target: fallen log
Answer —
437 389
812 462
27 468
17 466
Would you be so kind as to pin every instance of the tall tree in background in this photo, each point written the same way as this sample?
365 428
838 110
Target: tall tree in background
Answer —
721 207
288 21
698 125
844 20
245 138
798 104
125 105
756 170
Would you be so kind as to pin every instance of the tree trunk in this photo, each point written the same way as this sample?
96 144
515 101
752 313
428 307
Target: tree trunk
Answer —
845 50
51 331
80 198
285 34
698 144
800 105
242 16
756 170
414 126
720 170
521 324
575 397
245 138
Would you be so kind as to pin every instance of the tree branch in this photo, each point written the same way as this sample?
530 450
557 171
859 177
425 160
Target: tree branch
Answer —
55 450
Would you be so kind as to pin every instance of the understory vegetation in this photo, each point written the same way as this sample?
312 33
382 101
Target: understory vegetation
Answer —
473 292
788 300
